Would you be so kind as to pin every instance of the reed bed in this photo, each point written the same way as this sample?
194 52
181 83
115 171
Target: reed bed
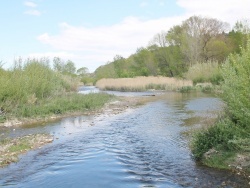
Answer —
143 83
205 72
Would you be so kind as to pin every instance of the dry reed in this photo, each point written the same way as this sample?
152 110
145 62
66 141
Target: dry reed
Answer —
142 83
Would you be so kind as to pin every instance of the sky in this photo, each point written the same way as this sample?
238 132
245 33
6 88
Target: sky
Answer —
92 32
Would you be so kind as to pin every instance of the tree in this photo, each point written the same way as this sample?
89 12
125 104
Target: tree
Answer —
58 64
82 71
159 39
194 35
69 67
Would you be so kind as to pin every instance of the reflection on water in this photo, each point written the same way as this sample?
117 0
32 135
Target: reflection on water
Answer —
93 89
142 147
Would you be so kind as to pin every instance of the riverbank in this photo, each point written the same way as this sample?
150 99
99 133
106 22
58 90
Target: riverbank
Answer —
11 148
53 109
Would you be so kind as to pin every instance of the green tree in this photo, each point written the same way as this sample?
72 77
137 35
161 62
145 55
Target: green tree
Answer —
69 67
58 64
194 36
236 86
83 71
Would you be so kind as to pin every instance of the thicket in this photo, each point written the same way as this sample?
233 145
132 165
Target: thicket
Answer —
198 46
205 72
231 133
31 88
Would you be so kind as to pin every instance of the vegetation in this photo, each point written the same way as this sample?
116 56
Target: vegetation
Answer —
143 83
198 40
11 148
205 72
231 134
32 89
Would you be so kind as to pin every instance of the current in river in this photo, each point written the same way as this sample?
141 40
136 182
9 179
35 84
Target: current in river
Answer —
147 146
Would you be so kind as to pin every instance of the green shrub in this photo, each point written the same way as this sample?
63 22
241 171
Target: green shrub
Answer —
205 72
29 82
72 102
187 89
217 136
236 86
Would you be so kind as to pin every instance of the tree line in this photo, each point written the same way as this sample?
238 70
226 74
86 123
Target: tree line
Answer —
197 40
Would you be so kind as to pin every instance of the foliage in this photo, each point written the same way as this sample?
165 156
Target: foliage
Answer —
236 86
72 102
199 39
64 67
205 72
230 135
33 89
142 83
171 53
27 83
83 71
218 136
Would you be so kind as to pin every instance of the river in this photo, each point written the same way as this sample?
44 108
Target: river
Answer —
142 147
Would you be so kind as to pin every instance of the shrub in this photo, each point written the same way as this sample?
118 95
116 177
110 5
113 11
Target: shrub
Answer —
205 72
236 86
218 136
232 133
30 82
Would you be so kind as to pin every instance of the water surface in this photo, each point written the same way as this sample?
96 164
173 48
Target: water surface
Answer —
142 147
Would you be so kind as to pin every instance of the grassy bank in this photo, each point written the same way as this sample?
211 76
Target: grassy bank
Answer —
143 84
11 148
227 143
31 89
55 107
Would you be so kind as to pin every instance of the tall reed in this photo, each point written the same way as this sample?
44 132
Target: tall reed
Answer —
32 79
142 83
204 72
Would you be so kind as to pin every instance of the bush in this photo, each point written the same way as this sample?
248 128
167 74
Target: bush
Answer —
30 82
205 72
224 135
236 86
232 133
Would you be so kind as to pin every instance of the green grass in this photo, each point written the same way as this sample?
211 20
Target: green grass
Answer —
220 160
72 102
11 148
20 147
205 72
32 89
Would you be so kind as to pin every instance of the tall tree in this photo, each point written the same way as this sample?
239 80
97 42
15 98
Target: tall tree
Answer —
159 39
58 64
69 67
83 71
194 35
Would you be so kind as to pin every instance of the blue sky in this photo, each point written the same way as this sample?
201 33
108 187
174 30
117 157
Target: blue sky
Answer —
91 33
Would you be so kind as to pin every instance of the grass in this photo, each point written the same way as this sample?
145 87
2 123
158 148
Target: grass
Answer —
220 160
205 72
72 102
31 89
10 149
142 83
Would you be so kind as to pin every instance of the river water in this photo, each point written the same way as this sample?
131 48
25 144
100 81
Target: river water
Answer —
142 147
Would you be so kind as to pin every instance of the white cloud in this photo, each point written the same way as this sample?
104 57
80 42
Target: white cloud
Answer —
225 10
92 47
100 44
30 4
33 12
